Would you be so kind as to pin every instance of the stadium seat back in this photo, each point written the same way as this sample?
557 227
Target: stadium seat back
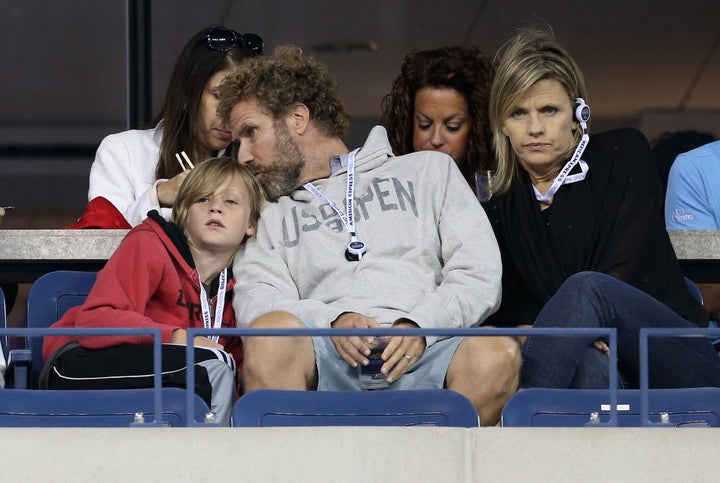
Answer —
101 408
539 407
49 298
354 408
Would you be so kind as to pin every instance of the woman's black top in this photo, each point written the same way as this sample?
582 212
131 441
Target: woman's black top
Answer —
611 222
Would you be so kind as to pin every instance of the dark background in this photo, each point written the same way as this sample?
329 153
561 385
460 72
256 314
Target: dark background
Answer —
653 65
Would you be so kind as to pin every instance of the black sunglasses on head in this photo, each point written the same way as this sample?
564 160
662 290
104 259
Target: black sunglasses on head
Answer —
223 40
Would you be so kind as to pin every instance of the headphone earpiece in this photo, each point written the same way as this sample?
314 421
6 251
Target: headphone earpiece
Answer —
582 114
582 111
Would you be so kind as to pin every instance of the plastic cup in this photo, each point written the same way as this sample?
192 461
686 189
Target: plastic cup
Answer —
483 184
370 376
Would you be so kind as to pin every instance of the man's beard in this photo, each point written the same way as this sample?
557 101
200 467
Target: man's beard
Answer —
284 176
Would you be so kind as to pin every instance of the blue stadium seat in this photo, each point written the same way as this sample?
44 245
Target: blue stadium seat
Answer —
49 298
438 407
98 409
695 292
581 407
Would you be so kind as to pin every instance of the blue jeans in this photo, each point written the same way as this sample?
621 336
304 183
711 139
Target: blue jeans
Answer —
591 299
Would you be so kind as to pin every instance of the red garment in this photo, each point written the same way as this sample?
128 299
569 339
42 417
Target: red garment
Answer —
100 213
146 283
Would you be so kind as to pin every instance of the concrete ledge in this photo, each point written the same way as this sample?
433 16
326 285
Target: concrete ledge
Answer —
360 454
696 244
59 244
29 245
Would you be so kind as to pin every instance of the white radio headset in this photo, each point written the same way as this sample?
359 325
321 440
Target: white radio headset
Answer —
582 116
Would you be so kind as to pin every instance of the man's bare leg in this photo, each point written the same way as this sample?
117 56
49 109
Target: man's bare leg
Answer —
279 362
486 370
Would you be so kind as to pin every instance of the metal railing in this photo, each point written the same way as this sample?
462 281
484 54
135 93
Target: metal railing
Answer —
153 332
645 334
610 333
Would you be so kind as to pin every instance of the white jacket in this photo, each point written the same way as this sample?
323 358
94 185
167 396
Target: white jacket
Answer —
124 173
431 254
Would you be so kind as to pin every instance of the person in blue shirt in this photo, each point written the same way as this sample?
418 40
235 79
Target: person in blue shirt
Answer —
692 202
693 194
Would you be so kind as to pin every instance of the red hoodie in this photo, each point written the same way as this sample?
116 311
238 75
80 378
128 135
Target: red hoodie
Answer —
150 281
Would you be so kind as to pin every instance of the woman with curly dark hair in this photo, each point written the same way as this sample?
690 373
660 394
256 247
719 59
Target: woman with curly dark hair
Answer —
439 102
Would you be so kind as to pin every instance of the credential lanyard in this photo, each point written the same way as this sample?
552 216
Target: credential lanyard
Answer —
347 216
563 177
208 321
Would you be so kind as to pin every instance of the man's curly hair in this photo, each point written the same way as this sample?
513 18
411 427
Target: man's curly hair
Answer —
283 80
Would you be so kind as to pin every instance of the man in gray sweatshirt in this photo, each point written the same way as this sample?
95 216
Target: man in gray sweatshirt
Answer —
355 240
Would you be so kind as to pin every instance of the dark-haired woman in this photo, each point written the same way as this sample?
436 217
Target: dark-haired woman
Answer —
137 170
439 102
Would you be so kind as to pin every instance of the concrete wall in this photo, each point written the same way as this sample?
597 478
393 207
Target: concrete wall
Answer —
415 455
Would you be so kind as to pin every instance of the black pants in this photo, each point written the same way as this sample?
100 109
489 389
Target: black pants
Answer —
128 366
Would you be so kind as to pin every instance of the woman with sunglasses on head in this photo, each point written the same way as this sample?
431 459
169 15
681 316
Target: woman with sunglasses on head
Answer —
439 102
137 170
579 223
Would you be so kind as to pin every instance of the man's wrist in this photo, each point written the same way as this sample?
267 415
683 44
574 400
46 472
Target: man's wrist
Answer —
339 317
403 320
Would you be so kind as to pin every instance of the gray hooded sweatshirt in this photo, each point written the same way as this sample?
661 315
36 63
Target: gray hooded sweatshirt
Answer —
431 253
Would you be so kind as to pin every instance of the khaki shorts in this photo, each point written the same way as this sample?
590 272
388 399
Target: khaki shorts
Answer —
334 374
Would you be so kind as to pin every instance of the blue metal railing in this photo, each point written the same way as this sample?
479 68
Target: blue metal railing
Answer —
645 335
157 344
610 333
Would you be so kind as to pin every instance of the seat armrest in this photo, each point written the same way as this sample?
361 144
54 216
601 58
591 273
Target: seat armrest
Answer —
17 375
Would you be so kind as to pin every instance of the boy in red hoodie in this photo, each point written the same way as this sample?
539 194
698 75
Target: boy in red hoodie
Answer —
172 276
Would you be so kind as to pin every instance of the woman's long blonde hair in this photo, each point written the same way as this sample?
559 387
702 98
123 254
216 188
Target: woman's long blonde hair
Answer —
531 56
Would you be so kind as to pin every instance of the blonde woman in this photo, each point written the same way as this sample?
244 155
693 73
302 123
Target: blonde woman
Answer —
579 223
